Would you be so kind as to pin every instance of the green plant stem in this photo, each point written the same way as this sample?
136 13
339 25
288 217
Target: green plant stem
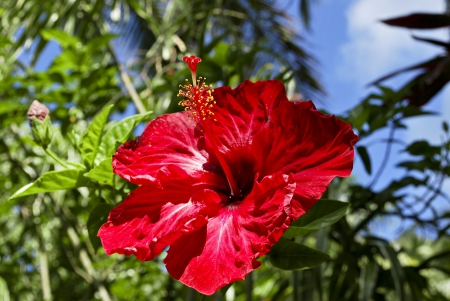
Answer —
55 157
191 294
295 282
249 287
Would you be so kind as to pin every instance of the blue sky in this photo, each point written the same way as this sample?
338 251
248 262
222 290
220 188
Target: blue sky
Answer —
354 48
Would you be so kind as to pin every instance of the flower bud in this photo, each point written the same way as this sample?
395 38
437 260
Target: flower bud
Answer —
37 110
40 123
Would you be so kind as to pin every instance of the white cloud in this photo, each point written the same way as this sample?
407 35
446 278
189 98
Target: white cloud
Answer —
374 49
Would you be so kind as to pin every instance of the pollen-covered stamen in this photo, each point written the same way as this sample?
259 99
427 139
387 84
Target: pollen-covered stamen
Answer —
198 100
192 62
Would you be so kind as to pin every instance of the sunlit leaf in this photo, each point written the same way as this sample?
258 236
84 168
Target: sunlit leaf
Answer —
119 132
91 139
63 38
99 42
53 181
102 173
4 291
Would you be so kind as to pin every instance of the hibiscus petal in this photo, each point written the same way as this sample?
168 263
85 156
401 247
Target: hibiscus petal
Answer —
240 113
225 249
152 217
314 146
169 139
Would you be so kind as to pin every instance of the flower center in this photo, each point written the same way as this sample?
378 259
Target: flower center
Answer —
198 101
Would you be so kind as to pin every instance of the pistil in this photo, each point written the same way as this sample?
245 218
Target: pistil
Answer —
199 101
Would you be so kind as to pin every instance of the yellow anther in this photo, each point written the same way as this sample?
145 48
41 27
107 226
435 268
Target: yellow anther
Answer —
198 100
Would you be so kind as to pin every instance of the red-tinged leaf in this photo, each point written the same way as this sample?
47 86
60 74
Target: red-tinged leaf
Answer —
420 21
432 41
431 64
420 90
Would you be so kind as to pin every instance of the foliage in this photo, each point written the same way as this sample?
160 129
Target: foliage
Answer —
55 198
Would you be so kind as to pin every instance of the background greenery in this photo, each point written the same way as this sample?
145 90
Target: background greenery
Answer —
120 57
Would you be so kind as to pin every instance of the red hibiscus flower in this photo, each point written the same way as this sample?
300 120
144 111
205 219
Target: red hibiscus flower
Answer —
221 181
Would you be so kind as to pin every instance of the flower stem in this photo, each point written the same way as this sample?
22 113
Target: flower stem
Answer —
249 287
55 157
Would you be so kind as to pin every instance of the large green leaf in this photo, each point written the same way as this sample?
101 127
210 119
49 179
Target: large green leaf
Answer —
288 255
97 218
119 132
63 38
323 214
10 106
4 291
91 139
53 181
102 173
99 42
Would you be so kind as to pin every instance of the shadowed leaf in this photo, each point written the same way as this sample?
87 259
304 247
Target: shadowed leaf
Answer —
288 255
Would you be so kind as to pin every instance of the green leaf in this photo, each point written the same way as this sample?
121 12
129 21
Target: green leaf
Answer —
323 214
220 53
53 181
11 106
414 165
99 42
64 39
102 173
119 132
368 281
97 217
91 139
397 272
288 255
4 291
359 115
423 148
362 151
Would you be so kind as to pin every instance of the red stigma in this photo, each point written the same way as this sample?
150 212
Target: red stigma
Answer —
192 62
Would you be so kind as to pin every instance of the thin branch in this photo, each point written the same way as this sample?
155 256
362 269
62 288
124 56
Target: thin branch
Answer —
127 82
123 74
45 277
249 287
385 159
55 157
